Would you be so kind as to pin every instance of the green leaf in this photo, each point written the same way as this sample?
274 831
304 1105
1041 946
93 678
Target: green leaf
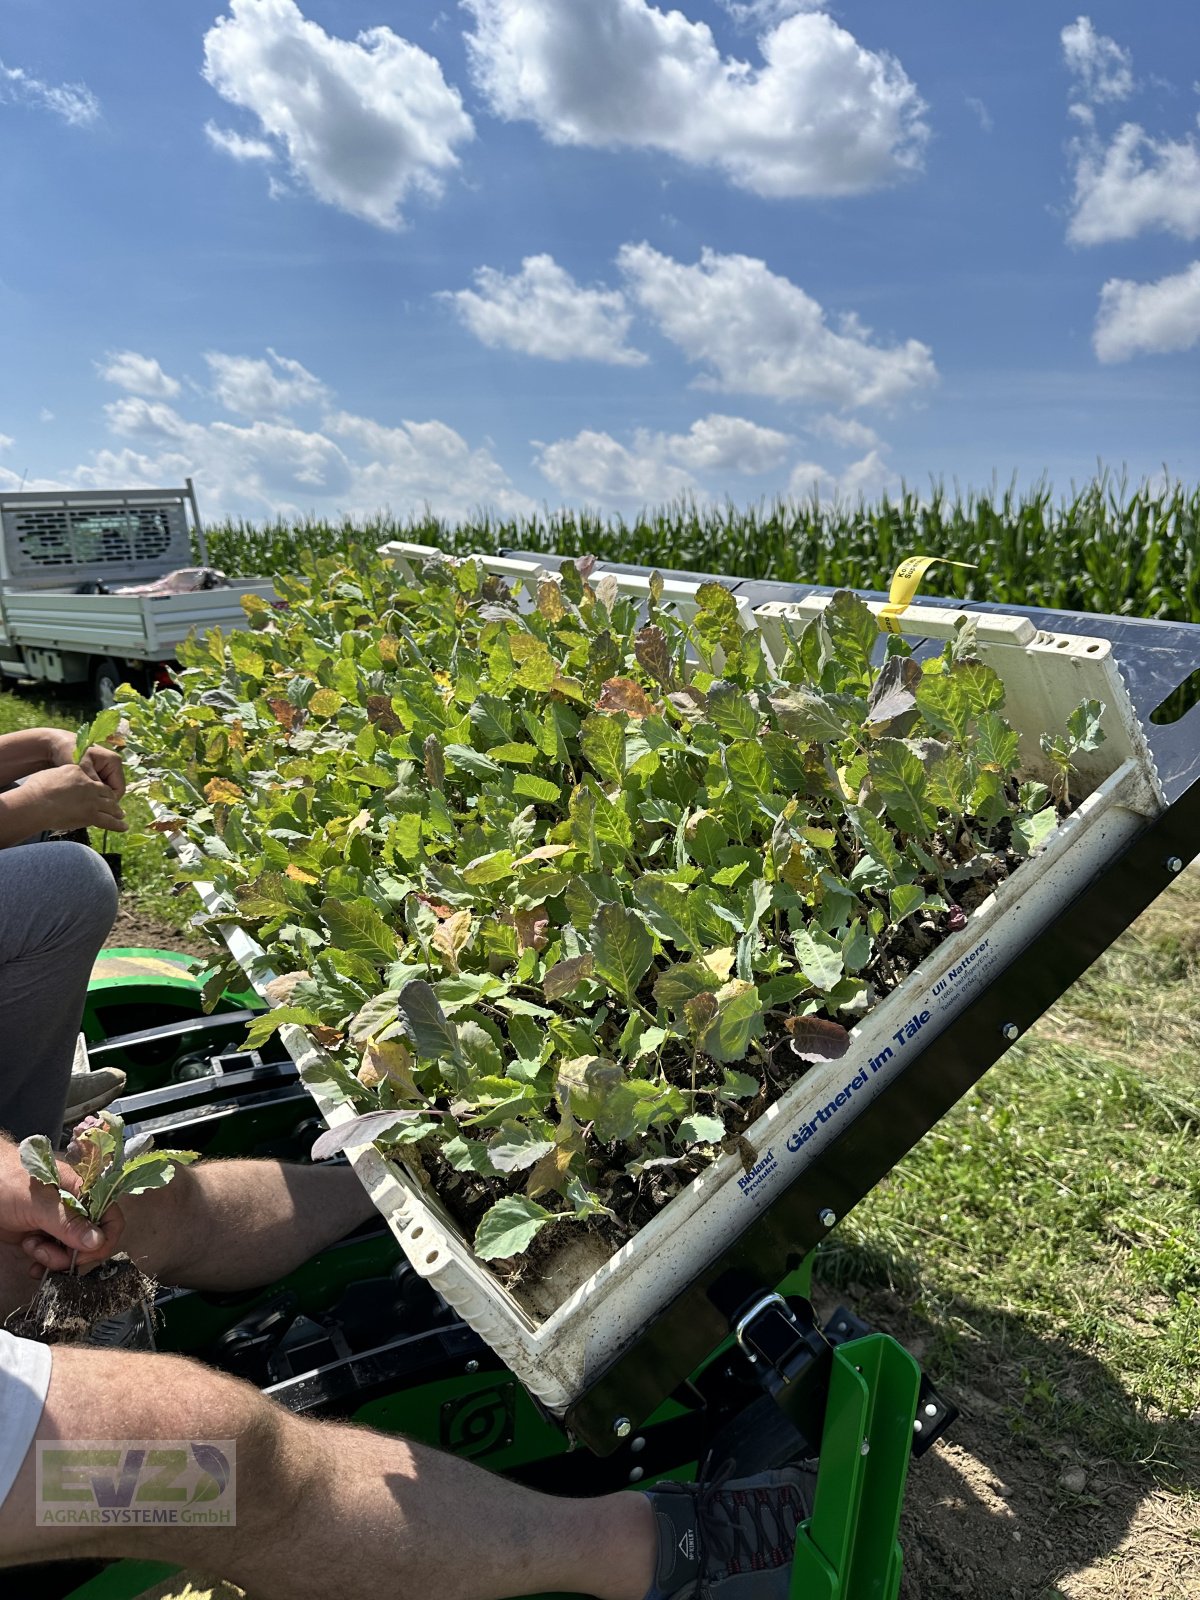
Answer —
698 1129
898 776
731 711
818 956
153 1169
357 926
530 787
1084 725
566 976
489 868
510 1227
737 1021
668 908
602 740
1030 833
515 1147
268 1023
37 1157
853 634
749 774
426 1024
904 900
811 716
995 744
622 949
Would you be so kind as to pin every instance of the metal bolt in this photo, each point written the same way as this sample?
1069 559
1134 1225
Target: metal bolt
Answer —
828 1218
1010 1031
931 1410
1173 864
622 1427
472 1366
918 1425
637 1444
636 1475
866 1448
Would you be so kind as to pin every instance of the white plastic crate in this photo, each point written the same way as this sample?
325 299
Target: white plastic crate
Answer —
559 1355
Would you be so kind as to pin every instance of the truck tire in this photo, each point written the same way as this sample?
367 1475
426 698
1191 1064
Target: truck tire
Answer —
106 678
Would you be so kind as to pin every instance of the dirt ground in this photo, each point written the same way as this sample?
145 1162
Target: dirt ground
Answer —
992 1516
133 929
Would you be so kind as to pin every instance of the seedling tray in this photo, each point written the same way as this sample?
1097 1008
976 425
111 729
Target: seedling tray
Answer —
561 1356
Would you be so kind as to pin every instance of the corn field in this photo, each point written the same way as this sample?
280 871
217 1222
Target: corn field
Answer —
1110 548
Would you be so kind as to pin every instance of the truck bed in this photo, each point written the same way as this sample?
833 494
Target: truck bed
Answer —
141 627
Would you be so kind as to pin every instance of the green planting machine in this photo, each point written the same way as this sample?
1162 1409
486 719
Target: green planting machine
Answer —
704 1343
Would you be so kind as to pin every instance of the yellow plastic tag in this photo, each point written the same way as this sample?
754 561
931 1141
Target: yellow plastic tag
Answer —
905 581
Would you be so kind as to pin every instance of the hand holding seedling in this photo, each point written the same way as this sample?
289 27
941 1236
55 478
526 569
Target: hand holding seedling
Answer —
36 1218
75 1205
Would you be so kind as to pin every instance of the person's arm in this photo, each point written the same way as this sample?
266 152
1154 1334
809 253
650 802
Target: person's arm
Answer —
58 794
30 750
38 749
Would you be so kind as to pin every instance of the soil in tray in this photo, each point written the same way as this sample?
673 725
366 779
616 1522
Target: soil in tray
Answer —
68 1306
561 1259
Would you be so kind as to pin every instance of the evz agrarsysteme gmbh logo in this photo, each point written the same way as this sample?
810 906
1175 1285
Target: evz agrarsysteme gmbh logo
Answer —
136 1483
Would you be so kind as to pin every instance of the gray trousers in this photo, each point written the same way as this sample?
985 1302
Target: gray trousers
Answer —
57 906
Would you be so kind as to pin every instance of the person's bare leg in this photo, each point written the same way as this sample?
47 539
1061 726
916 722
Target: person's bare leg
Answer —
326 1509
221 1225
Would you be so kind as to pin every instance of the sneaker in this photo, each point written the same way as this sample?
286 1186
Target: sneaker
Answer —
92 1091
729 1540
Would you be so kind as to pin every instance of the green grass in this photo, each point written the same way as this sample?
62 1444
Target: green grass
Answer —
1109 546
1044 1235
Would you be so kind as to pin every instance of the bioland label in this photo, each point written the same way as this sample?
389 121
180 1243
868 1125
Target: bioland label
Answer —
136 1483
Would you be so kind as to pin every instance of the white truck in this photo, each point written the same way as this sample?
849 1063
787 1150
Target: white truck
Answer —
65 560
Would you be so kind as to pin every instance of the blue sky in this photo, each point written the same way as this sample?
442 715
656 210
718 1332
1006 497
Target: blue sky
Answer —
364 255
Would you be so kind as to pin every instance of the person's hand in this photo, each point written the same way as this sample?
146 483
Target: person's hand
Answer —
97 760
34 1218
64 798
100 762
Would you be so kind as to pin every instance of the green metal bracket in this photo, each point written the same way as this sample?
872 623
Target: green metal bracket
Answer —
848 1550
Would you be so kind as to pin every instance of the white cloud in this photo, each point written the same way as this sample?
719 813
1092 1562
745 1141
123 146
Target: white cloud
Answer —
251 386
759 333
137 373
659 466
982 112
845 431
542 311
718 443
864 479
820 116
1137 183
45 414
756 13
73 102
365 123
233 144
1154 317
424 463
1101 68
6 441
597 467
350 465
269 466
